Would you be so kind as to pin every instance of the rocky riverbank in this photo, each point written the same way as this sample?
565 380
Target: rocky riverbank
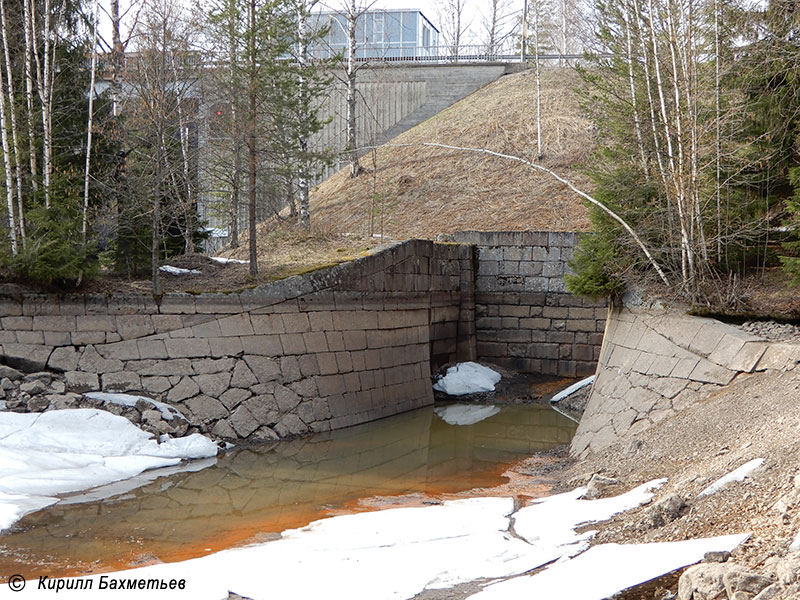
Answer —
755 417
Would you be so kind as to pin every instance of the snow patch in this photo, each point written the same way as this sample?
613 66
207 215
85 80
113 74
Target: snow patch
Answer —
178 271
130 400
572 389
604 570
465 414
467 378
550 523
735 475
62 451
224 261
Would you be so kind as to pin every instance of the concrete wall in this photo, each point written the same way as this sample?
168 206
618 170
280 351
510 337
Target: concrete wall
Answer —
525 318
322 351
655 362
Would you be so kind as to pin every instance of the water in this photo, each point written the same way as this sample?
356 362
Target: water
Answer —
252 493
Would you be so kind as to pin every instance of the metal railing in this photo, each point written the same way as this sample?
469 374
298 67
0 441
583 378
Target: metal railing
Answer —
437 54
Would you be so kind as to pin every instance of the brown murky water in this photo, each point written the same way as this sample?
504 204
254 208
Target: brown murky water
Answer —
250 494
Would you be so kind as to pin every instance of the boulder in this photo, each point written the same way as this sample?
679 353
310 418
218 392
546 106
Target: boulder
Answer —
596 486
703 582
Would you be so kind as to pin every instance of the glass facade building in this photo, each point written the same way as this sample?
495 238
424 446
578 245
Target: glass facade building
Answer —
384 34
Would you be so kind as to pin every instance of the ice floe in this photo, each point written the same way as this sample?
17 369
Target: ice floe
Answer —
223 261
130 400
467 378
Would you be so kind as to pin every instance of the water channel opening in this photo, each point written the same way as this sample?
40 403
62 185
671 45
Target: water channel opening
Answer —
254 494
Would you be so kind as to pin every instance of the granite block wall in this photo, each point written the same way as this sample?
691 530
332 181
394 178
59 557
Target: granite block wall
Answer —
524 317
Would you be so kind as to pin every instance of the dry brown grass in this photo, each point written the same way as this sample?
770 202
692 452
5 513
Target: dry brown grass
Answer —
422 191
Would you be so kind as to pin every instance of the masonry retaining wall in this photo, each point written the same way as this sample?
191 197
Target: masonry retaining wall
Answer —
525 318
655 362
326 350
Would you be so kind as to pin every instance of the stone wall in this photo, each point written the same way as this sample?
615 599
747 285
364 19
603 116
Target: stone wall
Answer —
655 362
525 318
326 350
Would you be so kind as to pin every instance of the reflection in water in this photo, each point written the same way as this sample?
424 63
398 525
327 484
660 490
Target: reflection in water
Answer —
269 489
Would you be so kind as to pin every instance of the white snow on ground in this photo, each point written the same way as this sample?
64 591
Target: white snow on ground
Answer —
467 378
735 475
549 523
606 569
62 451
178 271
465 414
389 554
222 260
572 389
131 400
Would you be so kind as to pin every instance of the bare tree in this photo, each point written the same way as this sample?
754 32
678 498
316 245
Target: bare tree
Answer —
454 24
496 25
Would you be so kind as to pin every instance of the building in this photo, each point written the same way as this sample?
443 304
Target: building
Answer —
383 34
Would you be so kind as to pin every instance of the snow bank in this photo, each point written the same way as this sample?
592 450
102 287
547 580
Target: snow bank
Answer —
467 378
465 414
572 389
130 400
736 475
604 570
62 451
178 271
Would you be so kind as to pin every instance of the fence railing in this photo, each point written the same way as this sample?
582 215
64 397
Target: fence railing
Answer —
438 54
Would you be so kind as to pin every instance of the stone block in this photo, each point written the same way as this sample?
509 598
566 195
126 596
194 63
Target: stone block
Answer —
308 365
77 381
321 320
151 349
668 387
234 397
180 304
134 326
155 385
166 323
779 357
205 410
330 385
344 362
262 345
186 388
208 365
93 323
187 348
122 381
17 323
293 343
63 359
208 329
708 372
57 338
242 376
243 422
121 350
286 399
59 323
306 388
295 322
265 369
290 425
662 366
229 346
92 362
222 429
264 408
236 325
315 341
290 369
213 384
29 337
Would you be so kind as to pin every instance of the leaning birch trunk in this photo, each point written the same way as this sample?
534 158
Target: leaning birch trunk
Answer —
12 226
355 168
538 82
89 127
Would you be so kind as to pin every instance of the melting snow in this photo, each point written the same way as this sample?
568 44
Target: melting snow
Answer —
130 400
465 414
178 271
222 260
467 378
62 451
606 569
736 475
572 389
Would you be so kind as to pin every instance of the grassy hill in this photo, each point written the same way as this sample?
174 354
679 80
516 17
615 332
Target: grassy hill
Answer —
421 192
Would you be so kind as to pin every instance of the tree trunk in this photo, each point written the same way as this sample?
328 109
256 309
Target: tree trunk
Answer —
13 121
352 143
89 127
251 143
